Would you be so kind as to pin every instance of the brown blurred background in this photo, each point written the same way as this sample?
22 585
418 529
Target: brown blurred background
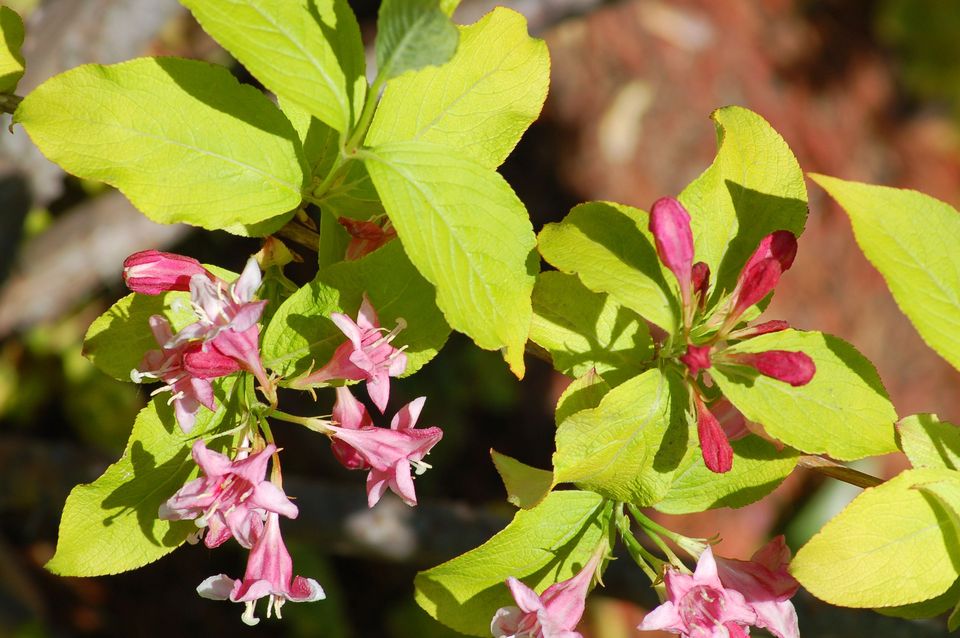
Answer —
866 90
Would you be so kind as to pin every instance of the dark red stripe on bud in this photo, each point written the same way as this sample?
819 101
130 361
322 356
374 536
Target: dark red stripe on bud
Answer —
716 450
700 278
795 368
670 226
766 327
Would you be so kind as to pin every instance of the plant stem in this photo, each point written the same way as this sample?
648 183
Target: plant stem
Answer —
312 423
300 235
366 116
838 471
644 559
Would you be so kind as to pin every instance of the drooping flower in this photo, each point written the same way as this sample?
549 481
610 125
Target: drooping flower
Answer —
152 272
269 574
365 236
186 370
367 355
231 498
553 614
766 586
349 413
699 605
388 453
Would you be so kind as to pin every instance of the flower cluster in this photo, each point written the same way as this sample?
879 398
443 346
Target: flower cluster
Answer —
708 332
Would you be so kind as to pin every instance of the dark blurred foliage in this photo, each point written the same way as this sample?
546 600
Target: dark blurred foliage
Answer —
63 421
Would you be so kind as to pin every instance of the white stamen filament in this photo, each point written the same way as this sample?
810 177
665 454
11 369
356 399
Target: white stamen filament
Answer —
248 616
420 467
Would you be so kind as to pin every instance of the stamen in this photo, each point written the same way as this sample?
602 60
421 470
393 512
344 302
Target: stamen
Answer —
248 616
420 467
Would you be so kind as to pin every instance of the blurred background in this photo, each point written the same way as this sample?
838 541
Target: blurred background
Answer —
861 89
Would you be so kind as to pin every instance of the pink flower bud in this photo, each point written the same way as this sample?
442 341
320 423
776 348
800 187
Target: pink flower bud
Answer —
696 359
700 278
152 272
208 364
775 325
781 245
670 225
756 283
795 368
716 450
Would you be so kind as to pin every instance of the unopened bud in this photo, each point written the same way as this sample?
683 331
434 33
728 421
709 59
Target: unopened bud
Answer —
152 272
670 226
795 368
716 450
697 358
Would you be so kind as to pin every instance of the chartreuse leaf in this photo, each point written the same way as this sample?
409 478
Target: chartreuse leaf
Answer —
449 6
629 446
754 187
844 411
111 525
117 340
182 139
320 141
911 239
609 247
758 468
927 608
929 442
301 334
306 51
583 393
526 486
541 546
480 102
11 39
892 545
468 234
412 34
585 330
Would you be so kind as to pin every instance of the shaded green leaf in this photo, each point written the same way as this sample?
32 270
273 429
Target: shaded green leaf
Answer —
583 393
11 39
844 411
412 34
929 442
609 247
758 468
526 486
541 546
585 330
754 187
183 140
466 231
306 51
892 545
480 102
911 239
630 445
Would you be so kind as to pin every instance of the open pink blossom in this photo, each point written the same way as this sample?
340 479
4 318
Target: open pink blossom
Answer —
766 586
553 614
670 226
349 413
186 370
388 453
152 272
366 355
269 574
231 497
700 605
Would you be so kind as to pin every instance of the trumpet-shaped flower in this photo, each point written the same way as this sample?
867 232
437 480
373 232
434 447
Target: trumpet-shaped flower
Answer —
553 614
231 497
388 453
269 574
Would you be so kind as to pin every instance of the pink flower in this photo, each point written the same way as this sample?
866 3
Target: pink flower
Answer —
700 605
366 355
388 453
186 369
670 225
553 614
231 497
766 586
349 413
365 236
697 358
269 573
152 272
714 446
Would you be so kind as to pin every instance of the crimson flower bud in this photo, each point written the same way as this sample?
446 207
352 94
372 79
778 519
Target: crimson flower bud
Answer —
780 245
795 368
697 358
774 325
152 272
716 450
208 364
670 225
700 278
756 284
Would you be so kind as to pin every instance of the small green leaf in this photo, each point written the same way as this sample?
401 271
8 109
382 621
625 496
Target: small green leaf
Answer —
629 446
301 334
117 340
547 544
609 247
412 34
892 545
480 102
306 51
844 411
758 468
183 140
754 187
929 442
11 39
584 330
466 231
583 393
911 239
111 525
526 486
